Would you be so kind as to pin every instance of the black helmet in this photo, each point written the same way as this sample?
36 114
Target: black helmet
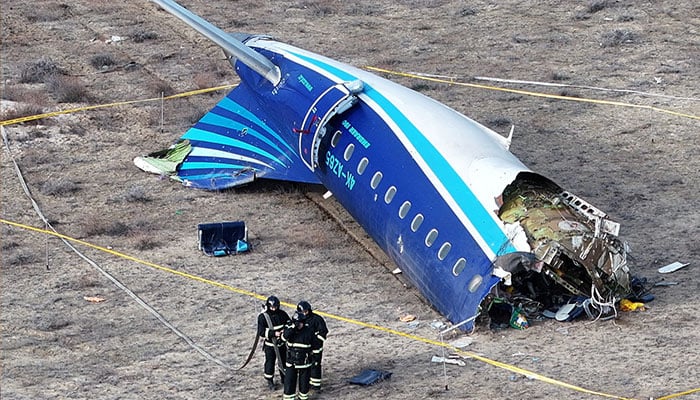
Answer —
272 301
304 306
298 317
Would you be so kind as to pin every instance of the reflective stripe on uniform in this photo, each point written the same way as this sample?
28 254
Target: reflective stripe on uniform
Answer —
290 365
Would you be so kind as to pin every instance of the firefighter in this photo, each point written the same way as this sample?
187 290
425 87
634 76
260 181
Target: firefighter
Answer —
300 339
318 326
271 323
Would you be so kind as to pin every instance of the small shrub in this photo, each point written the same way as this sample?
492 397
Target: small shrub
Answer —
77 130
39 71
6 245
500 122
568 93
625 18
88 280
102 225
142 36
421 87
146 243
321 11
363 10
596 6
162 88
100 61
21 94
48 13
58 187
581 16
617 37
24 110
21 257
68 89
238 24
37 132
136 194
559 76
204 80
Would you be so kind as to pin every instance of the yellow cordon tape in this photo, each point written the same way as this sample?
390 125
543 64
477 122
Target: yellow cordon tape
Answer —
528 93
386 71
512 368
498 364
121 103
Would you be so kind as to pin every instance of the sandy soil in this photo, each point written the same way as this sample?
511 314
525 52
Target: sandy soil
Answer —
637 163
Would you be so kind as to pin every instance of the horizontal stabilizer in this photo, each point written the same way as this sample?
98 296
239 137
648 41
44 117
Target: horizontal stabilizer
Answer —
230 146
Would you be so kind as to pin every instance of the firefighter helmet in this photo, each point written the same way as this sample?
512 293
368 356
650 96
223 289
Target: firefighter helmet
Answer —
272 301
304 306
299 317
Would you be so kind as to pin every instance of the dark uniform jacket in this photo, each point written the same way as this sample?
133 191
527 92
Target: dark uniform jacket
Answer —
318 327
299 344
279 319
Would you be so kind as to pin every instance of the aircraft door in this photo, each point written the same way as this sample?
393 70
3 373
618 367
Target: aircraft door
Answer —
335 100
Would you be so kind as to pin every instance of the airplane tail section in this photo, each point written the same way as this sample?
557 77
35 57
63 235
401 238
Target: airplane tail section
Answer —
228 147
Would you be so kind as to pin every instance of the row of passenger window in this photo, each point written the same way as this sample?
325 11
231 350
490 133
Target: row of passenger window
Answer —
418 219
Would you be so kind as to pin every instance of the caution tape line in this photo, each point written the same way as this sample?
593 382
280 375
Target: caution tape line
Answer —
120 103
680 394
498 364
529 93
427 77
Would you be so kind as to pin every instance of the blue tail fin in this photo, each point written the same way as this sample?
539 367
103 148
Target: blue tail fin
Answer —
231 146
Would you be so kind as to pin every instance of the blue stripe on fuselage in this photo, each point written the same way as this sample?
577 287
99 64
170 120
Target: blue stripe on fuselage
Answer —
468 203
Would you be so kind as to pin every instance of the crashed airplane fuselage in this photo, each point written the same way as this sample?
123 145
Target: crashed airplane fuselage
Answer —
459 214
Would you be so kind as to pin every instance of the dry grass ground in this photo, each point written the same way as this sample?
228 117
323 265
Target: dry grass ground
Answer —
636 163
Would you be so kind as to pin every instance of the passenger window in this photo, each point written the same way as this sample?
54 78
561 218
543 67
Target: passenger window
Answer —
376 179
362 166
389 195
475 283
444 250
430 237
348 151
403 210
416 223
459 267
336 138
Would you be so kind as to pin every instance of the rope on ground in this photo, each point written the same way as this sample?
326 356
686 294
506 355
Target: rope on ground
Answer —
498 364
114 280
596 88
67 239
452 81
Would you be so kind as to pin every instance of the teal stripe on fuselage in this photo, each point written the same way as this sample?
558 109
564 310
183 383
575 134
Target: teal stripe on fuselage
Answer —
232 106
218 120
467 202
206 136
209 165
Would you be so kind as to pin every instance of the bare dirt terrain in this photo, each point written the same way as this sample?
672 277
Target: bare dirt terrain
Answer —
638 164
